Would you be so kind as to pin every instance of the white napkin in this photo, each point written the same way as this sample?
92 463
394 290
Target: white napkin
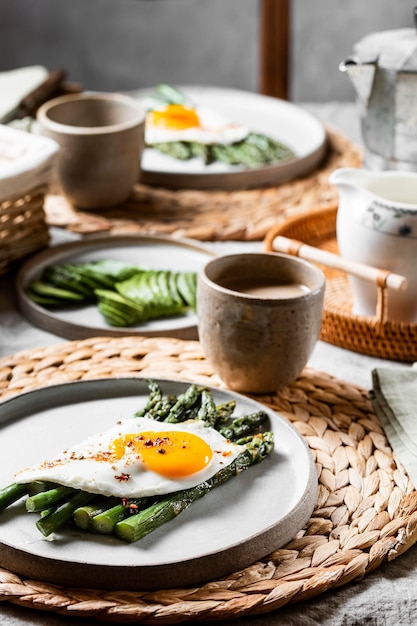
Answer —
26 161
15 85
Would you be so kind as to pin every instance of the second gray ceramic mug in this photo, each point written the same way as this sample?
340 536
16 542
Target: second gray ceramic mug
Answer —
101 142
259 338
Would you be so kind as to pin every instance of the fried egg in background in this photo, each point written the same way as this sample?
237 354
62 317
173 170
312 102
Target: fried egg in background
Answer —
178 122
139 457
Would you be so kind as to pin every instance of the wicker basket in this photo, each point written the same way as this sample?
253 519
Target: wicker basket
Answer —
23 228
374 336
26 165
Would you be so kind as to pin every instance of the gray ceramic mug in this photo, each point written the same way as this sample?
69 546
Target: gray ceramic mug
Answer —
259 317
101 142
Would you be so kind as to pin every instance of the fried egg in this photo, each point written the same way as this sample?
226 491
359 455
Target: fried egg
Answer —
139 457
177 122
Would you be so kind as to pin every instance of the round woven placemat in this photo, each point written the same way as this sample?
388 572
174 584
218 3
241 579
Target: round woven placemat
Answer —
210 215
374 336
366 511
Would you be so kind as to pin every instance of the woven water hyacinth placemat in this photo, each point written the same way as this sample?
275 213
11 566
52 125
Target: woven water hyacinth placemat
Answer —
366 511
210 215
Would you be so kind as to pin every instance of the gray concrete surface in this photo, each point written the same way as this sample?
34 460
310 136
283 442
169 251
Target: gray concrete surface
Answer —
128 44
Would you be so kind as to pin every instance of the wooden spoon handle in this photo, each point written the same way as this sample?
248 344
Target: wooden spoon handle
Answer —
381 277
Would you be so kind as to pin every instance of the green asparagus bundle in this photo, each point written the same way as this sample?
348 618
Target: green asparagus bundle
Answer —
133 518
255 150
125 295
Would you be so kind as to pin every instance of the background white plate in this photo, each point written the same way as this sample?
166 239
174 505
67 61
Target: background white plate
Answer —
231 527
281 120
86 321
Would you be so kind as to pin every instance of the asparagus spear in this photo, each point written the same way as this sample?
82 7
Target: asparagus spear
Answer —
241 426
154 397
170 94
46 499
84 514
37 486
224 411
63 514
161 410
11 493
104 522
185 402
207 411
133 528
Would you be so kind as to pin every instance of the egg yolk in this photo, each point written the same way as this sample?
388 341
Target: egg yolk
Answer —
174 116
168 453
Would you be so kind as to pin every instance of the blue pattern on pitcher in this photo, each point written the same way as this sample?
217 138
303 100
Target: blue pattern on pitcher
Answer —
388 219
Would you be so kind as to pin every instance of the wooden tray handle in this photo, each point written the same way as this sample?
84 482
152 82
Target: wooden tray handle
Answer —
383 279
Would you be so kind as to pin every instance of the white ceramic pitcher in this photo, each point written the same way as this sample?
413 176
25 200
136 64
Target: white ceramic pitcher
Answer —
377 226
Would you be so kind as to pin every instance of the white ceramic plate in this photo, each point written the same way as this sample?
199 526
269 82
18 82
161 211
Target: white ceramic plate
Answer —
86 321
279 119
236 524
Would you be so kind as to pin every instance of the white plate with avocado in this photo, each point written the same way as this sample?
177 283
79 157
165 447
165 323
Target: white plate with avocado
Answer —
82 321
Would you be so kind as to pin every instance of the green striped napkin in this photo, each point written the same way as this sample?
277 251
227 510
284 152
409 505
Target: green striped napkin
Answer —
394 398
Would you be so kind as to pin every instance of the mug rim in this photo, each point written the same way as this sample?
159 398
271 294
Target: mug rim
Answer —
138 111
265 300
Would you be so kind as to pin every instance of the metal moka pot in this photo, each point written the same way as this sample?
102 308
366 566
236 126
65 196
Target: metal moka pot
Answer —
383 72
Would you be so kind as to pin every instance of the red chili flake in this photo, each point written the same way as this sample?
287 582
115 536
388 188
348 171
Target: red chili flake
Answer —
125 502
102 456
123 478
160 441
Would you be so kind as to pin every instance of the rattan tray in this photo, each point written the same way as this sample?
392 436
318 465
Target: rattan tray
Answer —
244 215
374 336
366 512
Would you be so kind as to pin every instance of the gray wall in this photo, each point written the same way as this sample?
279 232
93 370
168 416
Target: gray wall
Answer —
128 44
